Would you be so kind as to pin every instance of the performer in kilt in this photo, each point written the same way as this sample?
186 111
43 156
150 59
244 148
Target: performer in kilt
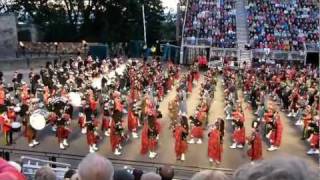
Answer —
255 141
181 132
238 136
92 136
215 144
63 131
31 133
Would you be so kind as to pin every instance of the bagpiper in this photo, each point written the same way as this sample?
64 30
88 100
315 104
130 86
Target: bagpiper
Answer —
181 132
215 144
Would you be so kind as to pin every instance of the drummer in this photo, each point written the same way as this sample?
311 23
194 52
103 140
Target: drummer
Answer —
31 133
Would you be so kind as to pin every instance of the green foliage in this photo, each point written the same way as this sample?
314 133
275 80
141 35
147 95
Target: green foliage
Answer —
94 20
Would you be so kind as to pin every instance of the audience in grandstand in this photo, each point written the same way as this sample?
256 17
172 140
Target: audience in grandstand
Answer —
96 167
211 23
45 173
284 25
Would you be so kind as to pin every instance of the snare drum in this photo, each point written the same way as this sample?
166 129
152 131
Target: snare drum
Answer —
16 126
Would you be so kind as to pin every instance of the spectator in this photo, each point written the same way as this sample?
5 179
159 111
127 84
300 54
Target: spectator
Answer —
151 176
284 168
8 172
122 174
210 175
166 172
137 173
96 167
45 173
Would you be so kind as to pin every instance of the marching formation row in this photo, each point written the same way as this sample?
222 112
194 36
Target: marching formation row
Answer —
111 95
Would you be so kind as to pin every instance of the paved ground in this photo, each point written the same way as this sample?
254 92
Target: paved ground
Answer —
196 155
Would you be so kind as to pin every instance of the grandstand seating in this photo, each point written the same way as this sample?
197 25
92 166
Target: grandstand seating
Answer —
211 22
283 25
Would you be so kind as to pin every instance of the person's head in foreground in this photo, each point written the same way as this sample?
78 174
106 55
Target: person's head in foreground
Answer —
210 175
166 172
150 176
45 173
95 166
280 168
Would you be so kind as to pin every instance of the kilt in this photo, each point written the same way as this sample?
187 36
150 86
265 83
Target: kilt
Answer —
197 132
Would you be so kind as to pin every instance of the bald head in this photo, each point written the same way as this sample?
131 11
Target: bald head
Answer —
210 175
95 166
166 172
284 168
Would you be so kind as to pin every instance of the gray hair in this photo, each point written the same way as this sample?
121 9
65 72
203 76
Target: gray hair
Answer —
280 168
150 176
210 175
45 173
95 166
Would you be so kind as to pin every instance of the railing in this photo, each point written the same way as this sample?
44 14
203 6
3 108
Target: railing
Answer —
277 54
181 172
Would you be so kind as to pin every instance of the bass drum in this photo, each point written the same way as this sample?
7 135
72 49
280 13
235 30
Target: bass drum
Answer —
38 119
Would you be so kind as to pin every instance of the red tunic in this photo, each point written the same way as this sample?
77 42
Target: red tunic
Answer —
115 139
132 120
239 136
214 145
91 138
276 134
255 152
314 142
106 122
144 140
2 96
81 121
181 145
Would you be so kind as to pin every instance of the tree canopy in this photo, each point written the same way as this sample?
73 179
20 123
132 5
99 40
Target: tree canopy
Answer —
93 20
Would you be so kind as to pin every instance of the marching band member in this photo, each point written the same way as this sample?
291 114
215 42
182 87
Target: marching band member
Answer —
106 119
2 98
238 136
313 140
307 118
255 141
62 130
11 114
7 130
181 135
132 120
92 136
173 108
31 133
215 144
116 135
150 134
196 131
276 133
189 82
